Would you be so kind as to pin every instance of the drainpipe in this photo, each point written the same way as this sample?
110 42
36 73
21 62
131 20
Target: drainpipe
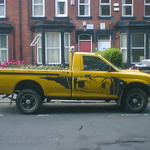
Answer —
20 28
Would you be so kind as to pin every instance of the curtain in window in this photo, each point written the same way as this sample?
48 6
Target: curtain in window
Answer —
38 7
67 46
53 47
39 51
123 46
3 48
38 10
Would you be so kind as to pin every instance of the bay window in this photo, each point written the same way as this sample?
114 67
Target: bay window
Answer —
53 48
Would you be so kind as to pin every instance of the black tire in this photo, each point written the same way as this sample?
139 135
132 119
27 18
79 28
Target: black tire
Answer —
28 101
135 101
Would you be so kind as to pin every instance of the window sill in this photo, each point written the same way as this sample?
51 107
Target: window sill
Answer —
4 18
104 17
146 17
84 17
61 17
128 17
36 18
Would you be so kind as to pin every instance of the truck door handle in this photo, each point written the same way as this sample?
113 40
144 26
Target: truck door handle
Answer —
88 76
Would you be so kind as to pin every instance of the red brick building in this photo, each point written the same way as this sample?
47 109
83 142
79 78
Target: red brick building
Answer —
52 26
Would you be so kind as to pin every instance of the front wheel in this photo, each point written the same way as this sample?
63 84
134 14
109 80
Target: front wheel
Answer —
28 101
135 100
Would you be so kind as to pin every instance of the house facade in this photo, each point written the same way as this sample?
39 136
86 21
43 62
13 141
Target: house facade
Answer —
41 31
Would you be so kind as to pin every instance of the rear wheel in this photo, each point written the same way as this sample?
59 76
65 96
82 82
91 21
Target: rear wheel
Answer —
28 101
135 100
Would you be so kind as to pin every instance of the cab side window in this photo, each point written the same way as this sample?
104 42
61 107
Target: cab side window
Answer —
94 64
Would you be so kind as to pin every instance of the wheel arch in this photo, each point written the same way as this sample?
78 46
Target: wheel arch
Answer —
139 85
133 85
29 84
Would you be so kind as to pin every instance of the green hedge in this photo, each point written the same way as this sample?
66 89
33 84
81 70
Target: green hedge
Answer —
113 55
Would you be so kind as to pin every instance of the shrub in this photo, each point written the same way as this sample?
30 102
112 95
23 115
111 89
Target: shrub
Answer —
113 55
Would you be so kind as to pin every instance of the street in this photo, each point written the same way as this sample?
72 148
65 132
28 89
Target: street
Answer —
74 127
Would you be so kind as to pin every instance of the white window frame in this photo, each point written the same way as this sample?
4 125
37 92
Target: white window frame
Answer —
125 5
46 49
66 47
4 4
146 4
134 48
85 4
66 8
84 40
104 4
33 8
4 49
37 40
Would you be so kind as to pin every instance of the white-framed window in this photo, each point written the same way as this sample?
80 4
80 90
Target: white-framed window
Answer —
53 47
83 8
138 44
123 46
39 48
105 8
127 8
38 8
61 8
66 46
2 8
147 8
3 48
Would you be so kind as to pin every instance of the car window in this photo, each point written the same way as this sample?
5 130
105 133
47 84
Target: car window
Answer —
94 64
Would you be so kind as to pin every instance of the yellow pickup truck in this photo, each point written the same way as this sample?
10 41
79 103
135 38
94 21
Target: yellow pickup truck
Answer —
89 76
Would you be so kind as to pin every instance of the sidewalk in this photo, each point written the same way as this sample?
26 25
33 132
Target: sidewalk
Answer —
4 100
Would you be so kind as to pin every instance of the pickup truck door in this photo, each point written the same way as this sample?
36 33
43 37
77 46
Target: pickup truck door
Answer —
94 80
58 83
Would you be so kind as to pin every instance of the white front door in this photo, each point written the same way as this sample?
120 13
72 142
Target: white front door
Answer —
103 44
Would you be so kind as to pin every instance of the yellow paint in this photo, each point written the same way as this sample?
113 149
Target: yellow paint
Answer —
100 84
